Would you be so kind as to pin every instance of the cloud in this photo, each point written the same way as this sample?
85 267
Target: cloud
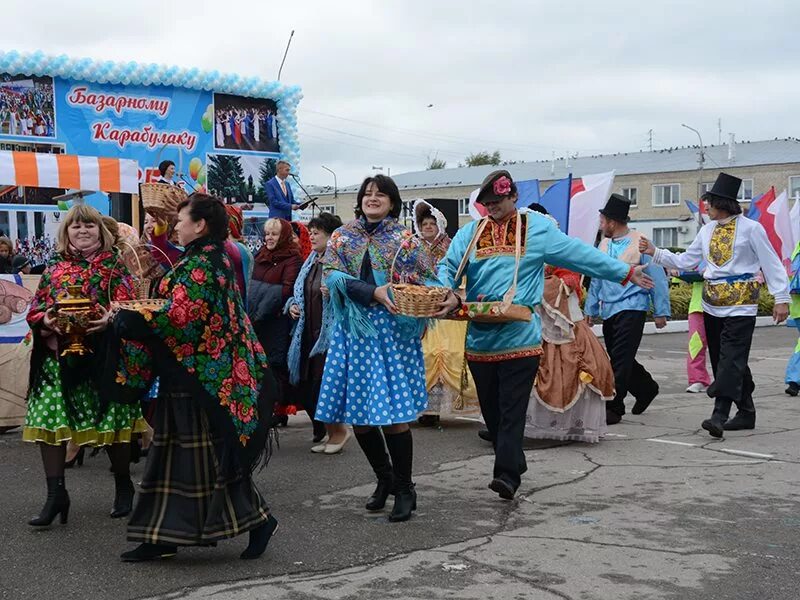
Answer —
526 77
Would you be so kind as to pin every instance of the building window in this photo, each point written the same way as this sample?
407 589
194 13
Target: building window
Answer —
463 206
328 208
631 194
667 195
794 187
665 237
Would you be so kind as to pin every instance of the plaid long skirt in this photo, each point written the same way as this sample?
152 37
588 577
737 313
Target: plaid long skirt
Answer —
184 499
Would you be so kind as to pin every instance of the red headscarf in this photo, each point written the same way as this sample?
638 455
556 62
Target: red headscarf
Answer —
305 238
235 220
283 249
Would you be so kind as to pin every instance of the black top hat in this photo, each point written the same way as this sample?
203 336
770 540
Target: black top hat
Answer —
617 208
487 187
726 186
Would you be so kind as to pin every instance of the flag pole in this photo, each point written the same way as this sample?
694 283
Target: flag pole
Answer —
569 202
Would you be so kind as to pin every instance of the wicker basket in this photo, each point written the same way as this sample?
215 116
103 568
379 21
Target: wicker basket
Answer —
161 199
418 300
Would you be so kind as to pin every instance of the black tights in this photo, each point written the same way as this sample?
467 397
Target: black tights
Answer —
53 458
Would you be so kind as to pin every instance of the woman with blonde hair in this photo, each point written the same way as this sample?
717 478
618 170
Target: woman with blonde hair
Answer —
64 402
275 270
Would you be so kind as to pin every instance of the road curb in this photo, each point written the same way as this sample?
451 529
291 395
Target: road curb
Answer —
682 326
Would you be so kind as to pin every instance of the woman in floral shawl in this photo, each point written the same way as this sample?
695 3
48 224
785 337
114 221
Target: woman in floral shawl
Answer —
197 486
64 402
374 375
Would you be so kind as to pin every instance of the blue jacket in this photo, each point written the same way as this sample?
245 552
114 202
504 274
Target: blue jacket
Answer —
607 298
280 206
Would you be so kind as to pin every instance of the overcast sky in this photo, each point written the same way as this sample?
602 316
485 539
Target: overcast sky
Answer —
523 76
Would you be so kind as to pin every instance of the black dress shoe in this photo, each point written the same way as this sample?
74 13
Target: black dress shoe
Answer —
793 389
259 539
713 426
612 418
503 488
147 551
485 435
741 421
641 404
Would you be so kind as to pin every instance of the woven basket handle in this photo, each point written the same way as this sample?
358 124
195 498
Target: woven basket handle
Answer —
119 256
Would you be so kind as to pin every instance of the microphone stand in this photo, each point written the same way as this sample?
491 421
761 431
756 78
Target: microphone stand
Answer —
310 201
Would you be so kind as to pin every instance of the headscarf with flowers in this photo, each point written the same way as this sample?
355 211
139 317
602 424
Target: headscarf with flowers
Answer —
303 237
205 328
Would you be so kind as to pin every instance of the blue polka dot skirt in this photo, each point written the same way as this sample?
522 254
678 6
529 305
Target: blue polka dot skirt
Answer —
373 381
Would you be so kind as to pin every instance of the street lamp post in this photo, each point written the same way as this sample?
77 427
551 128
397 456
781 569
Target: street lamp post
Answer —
701 159
335 187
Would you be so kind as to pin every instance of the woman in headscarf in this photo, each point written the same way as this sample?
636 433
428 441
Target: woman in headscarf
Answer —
64 403
210 425
275 270
240 255
374 376
310 307
451 390
302 238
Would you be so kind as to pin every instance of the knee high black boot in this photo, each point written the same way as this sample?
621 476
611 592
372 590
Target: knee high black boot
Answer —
123 486
401 449
372 445
57 503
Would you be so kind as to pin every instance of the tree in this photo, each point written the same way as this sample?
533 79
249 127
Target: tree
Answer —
226 176
266 171
477 159
436 163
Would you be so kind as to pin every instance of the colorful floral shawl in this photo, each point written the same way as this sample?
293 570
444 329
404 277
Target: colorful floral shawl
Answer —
207 330
345 254
299 298
96 277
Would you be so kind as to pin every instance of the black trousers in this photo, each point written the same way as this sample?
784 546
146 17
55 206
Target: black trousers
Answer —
623 334
729 340
504 389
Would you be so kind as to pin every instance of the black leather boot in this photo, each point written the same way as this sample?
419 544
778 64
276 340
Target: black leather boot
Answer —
57 503
642 403
123 495
374 449
715 425
259 539
401 449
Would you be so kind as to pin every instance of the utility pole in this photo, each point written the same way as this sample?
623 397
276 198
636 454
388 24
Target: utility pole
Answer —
335 187
719 131
701 159
650 140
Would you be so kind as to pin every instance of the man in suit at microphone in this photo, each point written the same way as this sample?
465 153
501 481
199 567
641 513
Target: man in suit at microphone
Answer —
279 194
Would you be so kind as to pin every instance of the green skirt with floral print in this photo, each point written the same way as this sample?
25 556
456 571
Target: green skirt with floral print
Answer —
47 420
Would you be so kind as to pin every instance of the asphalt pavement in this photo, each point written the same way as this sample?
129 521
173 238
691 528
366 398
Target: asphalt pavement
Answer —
656 510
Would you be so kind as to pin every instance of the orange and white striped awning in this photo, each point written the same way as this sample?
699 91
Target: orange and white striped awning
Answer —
68 171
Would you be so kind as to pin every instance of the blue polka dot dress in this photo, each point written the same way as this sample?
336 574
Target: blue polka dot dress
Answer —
373 381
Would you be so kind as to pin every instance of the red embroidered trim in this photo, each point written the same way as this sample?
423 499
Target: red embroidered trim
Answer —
504 355
628 277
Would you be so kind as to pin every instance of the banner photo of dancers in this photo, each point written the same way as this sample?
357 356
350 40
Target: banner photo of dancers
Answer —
249 124
27 106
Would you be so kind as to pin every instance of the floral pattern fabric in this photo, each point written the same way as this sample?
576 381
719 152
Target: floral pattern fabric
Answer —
205 327
720 247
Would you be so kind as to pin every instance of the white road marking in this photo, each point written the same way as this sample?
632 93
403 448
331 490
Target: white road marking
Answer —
672 442
618 435
745 453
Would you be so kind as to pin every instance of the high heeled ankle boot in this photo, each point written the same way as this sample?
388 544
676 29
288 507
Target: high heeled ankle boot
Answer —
401 449
123 495
259 539
57 503
374 449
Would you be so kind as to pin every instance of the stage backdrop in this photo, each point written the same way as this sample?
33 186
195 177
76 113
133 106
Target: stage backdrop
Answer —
144 112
